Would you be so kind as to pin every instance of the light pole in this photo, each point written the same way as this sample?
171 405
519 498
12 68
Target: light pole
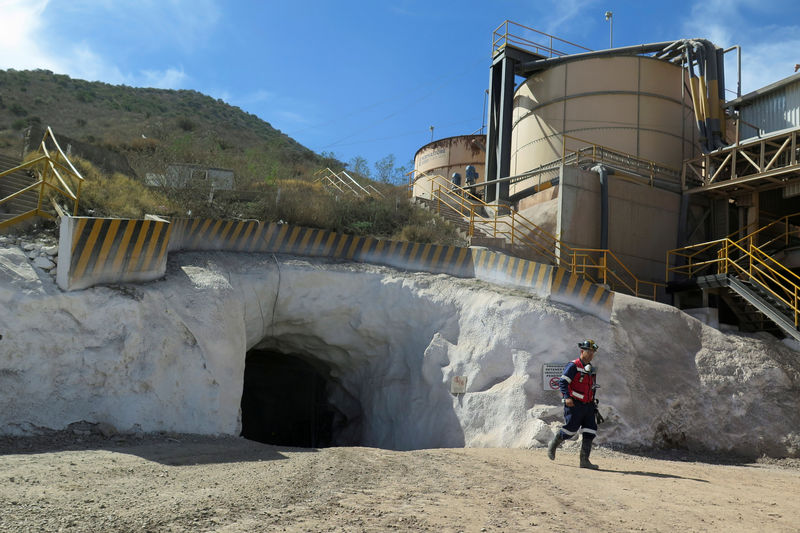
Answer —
431 133
610 19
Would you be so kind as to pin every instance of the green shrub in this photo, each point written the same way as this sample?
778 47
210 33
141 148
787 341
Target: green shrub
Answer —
18 110
186 124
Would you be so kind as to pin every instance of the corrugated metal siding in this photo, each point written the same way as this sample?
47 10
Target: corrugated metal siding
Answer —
772 112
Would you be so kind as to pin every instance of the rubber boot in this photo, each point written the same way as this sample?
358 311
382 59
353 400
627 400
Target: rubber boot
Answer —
555 442
586 449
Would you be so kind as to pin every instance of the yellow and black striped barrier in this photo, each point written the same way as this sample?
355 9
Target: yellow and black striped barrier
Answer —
112 250
254 236
576 291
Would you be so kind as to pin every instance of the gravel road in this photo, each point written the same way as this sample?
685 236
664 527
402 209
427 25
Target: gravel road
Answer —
87 482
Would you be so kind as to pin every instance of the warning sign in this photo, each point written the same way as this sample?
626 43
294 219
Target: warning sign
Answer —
458 385
550 374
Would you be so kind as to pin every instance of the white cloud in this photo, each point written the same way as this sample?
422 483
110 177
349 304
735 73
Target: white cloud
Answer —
170 78
20 31
82 62
562 11
769 51
29 36
256 97
295 119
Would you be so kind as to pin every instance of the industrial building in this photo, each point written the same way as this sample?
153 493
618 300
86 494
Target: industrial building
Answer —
639 169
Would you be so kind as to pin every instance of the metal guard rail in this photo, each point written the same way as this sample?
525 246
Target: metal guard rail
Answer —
48 168
511 33
645 169
749 264
699 256
344 182
785 229
595 265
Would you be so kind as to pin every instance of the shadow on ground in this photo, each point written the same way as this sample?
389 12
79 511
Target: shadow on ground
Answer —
166 449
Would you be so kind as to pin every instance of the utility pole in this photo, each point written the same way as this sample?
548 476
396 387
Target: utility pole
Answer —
610 19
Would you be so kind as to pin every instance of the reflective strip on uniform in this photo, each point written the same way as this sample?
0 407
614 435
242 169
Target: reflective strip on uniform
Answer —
578 395
567 432
587 430
565 378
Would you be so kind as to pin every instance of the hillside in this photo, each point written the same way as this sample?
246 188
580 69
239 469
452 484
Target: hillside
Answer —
151 127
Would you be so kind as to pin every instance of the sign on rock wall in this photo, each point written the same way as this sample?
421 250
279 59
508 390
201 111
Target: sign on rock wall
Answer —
551 372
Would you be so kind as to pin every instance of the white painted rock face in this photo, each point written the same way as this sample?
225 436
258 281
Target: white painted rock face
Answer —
170 356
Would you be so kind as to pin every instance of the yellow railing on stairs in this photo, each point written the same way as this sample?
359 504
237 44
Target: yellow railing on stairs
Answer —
55 174
497 220
776 231
697 259
603 266
747 262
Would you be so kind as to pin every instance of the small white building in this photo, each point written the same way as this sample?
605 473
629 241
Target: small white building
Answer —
185 176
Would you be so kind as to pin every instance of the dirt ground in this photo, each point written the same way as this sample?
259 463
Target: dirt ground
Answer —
87 482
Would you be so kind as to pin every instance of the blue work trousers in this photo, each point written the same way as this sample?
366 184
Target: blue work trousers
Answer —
579 418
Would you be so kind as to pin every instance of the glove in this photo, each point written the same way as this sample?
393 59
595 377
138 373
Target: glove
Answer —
597 416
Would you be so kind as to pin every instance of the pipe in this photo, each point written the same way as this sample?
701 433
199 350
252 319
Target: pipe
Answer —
541 64
738 67
603 173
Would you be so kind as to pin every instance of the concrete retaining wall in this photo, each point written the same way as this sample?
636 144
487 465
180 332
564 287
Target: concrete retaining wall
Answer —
642 220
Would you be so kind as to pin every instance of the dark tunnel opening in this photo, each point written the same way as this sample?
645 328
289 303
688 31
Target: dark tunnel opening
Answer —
285 401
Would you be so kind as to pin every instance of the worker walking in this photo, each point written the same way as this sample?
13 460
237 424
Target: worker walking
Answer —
577 386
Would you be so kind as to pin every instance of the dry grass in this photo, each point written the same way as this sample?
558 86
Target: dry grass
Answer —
118 195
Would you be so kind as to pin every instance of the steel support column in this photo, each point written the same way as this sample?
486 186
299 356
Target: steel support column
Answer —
498 149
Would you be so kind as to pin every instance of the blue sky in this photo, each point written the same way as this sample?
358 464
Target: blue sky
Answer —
361 78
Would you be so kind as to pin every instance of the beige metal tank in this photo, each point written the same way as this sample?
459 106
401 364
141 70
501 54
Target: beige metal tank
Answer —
448 155
632 104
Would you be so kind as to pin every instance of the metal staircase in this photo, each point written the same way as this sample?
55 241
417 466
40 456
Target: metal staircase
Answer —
474 234
755 308
12 183
762 293
30 189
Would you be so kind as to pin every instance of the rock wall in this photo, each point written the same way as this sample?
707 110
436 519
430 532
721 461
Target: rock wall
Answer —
169 355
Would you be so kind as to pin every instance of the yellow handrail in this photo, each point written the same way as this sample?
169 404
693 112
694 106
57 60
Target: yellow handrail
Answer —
698 256
611 271
518 229
513 33
49 168
785 231
748 263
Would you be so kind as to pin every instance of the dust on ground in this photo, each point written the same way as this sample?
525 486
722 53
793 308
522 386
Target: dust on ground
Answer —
88 482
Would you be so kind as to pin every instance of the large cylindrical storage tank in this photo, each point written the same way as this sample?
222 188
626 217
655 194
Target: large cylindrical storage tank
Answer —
446 156
632 104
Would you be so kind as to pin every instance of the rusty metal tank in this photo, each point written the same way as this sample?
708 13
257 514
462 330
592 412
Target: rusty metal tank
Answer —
632 104
446 156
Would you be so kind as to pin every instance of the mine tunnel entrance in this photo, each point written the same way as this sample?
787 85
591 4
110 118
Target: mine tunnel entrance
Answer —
285 401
